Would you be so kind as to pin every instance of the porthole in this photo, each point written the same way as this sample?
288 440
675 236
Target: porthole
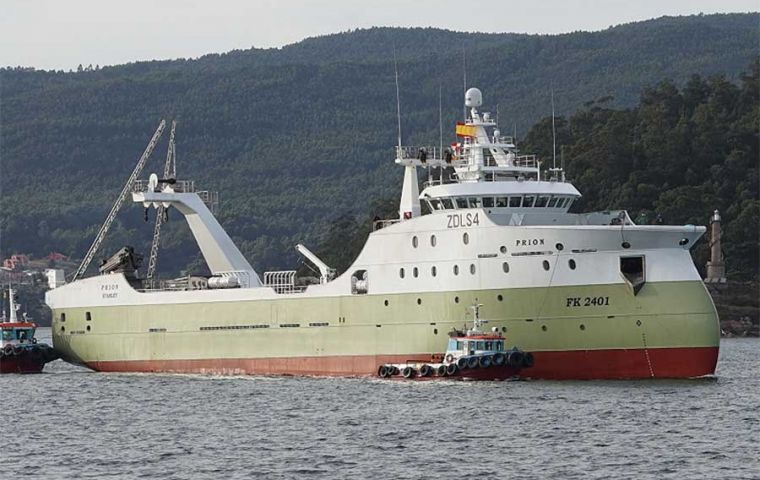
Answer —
88 328
456 299
583 327
415 242
401 273
504 329
625 245
456 269
543 327
435 331
683 241
63 329
415 272
472 268
419 301
505 267
503 249
63 317
500 297
433 271
433 240
546 265
560 247
386 303
571 264
466 238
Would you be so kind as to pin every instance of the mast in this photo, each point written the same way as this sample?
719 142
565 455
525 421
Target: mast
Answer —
12 305
170 172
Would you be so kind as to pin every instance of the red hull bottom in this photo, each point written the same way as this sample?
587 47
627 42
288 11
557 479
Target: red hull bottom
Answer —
22 364
686 362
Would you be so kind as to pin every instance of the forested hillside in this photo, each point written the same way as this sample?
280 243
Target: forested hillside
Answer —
294 137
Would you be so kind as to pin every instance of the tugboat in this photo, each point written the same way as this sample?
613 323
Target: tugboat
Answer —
19 350
471 354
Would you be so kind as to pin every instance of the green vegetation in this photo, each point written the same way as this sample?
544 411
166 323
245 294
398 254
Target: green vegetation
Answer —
293 137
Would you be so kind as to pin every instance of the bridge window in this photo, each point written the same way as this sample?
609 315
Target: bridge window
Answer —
474 202
461 202
435 204
447 203
561 202
553 202
541 201
487 202
528 201
501 202
515 202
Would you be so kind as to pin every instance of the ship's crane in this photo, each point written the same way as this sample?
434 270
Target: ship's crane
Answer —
170 173
326 273
119 201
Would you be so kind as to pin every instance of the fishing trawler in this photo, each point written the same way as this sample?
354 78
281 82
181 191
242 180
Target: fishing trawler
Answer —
590 295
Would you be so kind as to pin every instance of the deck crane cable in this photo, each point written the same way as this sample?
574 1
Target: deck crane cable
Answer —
119 202
170 172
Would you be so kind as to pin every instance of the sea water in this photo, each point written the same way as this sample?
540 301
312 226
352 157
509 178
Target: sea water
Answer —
70 422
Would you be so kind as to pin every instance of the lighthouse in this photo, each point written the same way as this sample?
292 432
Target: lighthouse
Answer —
716 268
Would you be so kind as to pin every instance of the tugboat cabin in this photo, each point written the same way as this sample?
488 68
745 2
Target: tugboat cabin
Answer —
16 333
476 345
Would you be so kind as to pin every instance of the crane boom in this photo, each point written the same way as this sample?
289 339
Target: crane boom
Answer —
326 273
170 171
119 202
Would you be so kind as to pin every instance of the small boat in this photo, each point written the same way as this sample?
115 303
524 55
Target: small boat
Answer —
19 350
471 354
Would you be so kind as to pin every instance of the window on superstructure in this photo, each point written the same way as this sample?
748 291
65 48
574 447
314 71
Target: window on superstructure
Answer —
435 204
415 272
528 201
88 316
473 202
505 267
561 202
541 201
447 203
501 202
487 202
552 202
515 202
63 317
456 269
472 268
569 202
7 335
461 202
433 271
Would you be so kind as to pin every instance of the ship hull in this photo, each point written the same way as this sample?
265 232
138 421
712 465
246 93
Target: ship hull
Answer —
668 330
688 362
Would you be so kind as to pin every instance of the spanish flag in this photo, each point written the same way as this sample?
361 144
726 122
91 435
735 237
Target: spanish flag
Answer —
464 130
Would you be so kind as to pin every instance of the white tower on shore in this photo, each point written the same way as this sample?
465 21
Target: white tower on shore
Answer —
716 268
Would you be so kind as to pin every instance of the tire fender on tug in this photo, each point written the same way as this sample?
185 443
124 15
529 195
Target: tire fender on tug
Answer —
484 361
472 362
441 370
515 359
8 350
461 362
452 369
18 350
382 371
425 370
408 372
498 359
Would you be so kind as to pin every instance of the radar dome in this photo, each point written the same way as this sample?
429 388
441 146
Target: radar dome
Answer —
473 98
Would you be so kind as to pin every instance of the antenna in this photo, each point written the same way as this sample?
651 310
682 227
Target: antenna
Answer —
464 71
440 120
554 137
497 114
398 99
